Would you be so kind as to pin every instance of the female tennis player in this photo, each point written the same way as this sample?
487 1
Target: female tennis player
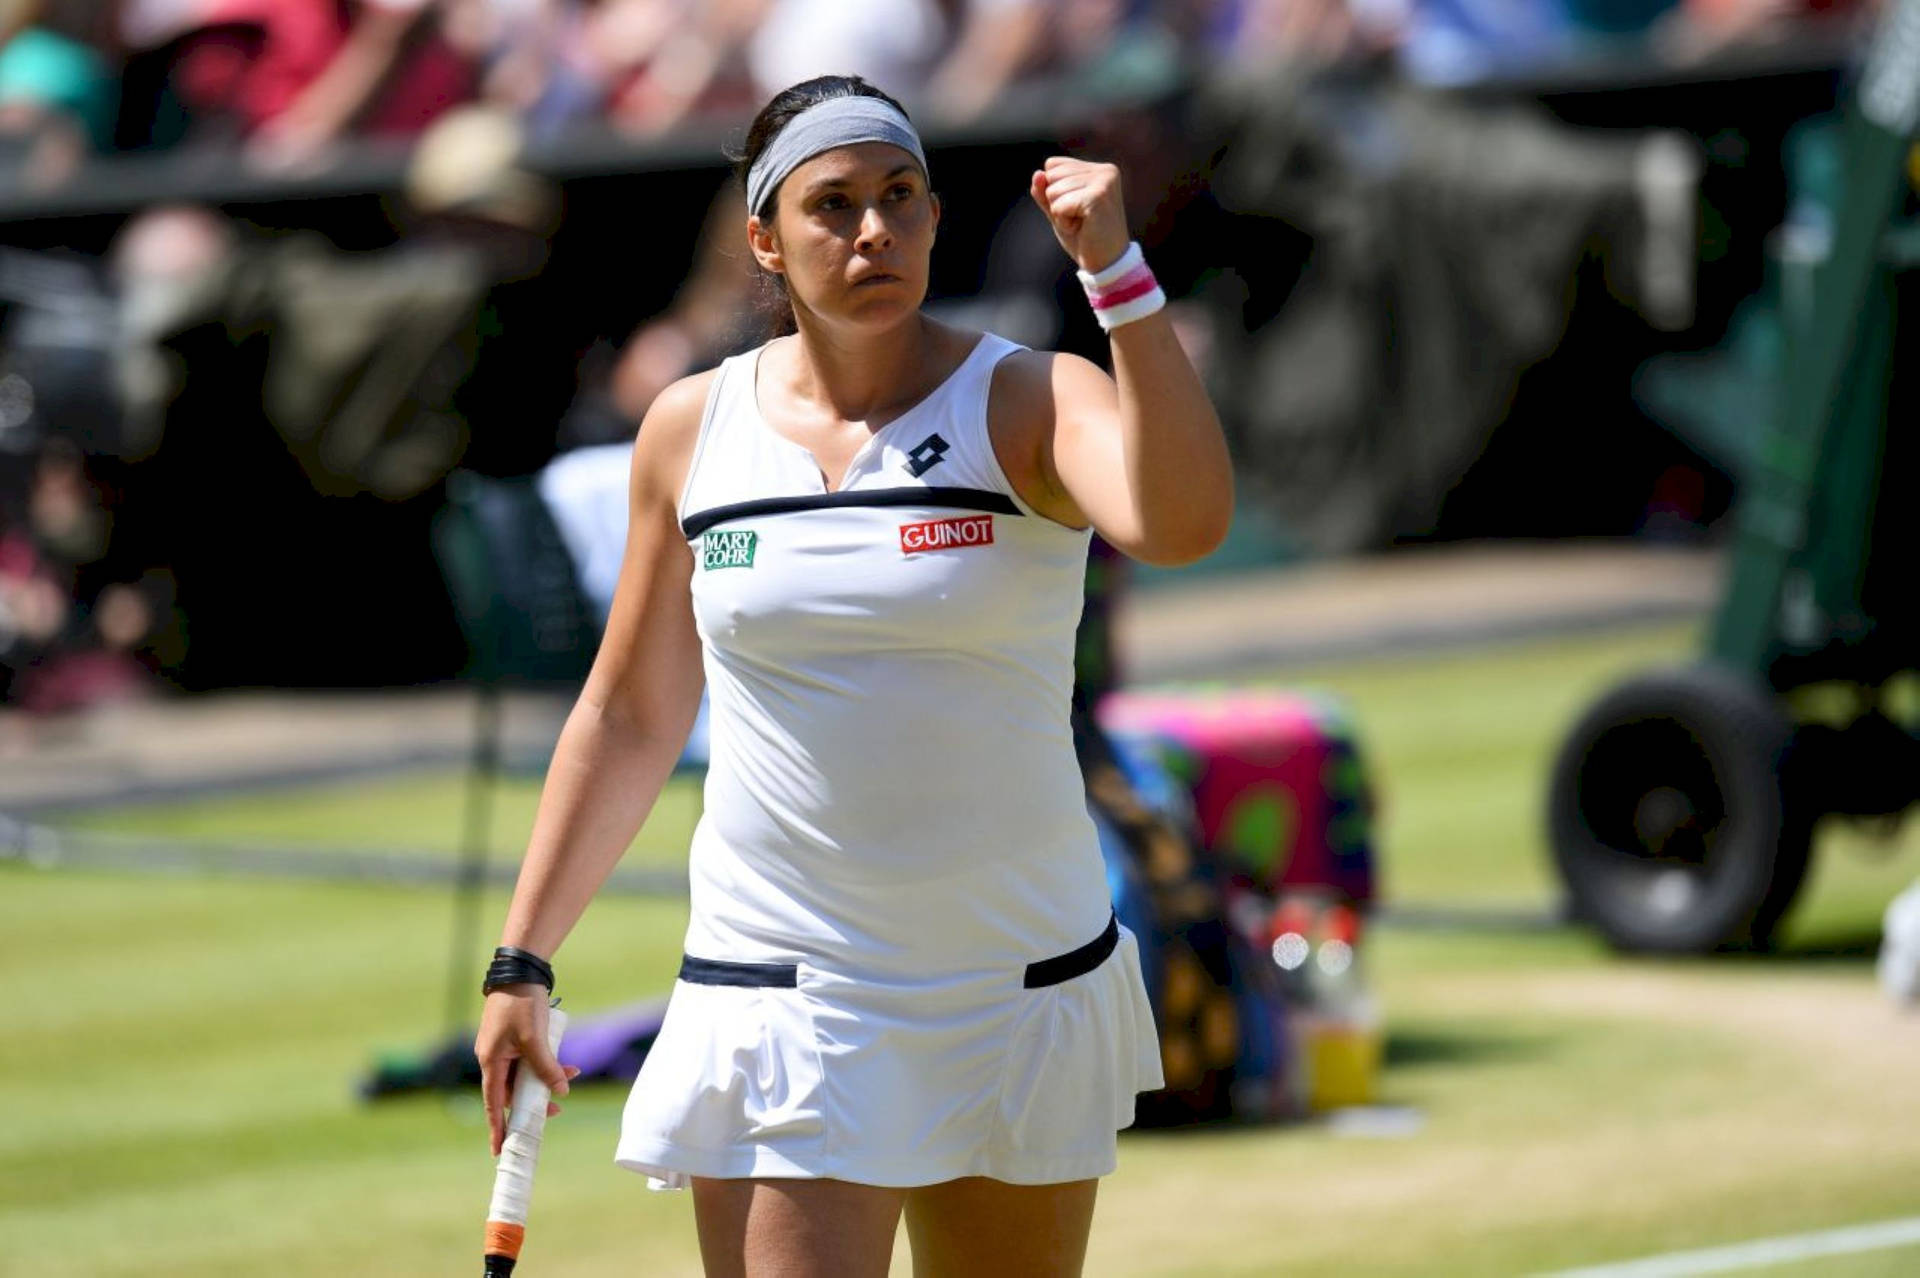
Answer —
904 991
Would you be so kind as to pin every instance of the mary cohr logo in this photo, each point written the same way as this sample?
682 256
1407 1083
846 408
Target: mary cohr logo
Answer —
732 549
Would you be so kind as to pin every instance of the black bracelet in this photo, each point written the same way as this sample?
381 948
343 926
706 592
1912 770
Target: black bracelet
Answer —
516 967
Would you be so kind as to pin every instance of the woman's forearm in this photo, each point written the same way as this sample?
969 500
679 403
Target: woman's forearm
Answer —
1178 470
1140 456
606 774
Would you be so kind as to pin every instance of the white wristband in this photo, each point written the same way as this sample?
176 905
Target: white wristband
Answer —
1123 291
1139 308
1106 275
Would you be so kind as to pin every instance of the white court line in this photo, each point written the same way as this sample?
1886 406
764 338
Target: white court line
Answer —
1759 1253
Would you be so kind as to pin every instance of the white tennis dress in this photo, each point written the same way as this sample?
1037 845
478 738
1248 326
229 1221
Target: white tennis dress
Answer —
902 965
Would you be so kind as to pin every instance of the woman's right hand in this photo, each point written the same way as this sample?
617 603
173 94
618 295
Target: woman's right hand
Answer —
513 1032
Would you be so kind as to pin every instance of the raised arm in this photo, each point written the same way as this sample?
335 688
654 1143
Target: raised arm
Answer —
618 747
1139 455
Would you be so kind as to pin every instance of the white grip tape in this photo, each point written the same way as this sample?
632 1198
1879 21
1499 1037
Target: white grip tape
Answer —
520 1151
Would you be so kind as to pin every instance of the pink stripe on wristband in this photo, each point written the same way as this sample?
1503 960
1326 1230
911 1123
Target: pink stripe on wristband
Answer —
1136 283
1124 291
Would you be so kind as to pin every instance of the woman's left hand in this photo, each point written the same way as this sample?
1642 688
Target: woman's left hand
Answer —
1082 200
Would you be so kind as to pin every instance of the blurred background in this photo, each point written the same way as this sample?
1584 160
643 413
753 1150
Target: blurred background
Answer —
1514 802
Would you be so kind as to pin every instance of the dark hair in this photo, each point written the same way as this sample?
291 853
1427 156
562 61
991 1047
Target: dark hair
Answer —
775 308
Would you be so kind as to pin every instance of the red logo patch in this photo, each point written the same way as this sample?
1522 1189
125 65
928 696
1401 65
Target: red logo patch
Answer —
946 534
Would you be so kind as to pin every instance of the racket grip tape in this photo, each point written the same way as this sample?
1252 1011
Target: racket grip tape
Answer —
503 1247
526 1121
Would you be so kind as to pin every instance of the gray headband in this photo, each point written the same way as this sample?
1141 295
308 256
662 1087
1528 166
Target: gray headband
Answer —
833 123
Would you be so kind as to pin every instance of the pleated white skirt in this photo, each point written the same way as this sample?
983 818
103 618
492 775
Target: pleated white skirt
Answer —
897 1084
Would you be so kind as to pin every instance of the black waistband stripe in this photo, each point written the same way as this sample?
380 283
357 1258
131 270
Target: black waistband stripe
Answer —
1053 971
943 498
699 971
1078 962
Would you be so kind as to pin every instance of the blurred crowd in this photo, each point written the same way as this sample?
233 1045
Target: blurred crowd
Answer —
289 79
1423 249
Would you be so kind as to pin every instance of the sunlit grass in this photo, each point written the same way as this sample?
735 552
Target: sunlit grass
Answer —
413 812
191 1050
184 1052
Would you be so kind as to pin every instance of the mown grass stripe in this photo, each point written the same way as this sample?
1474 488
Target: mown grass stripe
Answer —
45 848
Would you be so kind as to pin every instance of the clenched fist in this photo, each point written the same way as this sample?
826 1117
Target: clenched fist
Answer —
1082 201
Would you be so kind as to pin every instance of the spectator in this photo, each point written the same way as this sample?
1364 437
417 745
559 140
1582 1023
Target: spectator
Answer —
1003 43
534 57
296 75
58 94
891 43
652 65
671 59
1699 29
325 395
645 64
58 649
167 266
33 608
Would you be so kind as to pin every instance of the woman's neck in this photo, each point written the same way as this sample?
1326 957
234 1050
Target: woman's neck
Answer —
859 377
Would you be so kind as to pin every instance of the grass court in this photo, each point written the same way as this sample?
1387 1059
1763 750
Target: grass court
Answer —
184 1049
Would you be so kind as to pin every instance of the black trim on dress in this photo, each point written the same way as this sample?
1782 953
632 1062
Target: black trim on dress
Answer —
1052 971
699 971
1078 962
948 498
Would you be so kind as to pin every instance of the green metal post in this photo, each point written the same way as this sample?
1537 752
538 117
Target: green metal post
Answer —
1775 510
1841 528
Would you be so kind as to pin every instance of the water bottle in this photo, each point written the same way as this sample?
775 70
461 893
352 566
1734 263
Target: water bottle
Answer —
1341 1031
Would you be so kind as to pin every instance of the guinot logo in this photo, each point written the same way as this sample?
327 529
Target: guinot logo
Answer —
946 534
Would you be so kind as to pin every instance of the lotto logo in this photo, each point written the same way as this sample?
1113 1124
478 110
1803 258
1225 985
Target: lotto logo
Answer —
926 454
728 549
946 534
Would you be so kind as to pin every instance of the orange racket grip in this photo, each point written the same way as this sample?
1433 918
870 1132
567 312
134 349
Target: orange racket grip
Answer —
504 1239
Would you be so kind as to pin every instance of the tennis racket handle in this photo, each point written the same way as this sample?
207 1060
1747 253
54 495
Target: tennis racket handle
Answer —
519 1155
499 1264
527 1112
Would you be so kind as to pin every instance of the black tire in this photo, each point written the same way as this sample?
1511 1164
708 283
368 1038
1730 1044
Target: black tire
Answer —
1671 827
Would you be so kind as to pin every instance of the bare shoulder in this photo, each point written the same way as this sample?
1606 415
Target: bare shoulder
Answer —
1034 391
674 419
1040 380
664 448
1033 394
